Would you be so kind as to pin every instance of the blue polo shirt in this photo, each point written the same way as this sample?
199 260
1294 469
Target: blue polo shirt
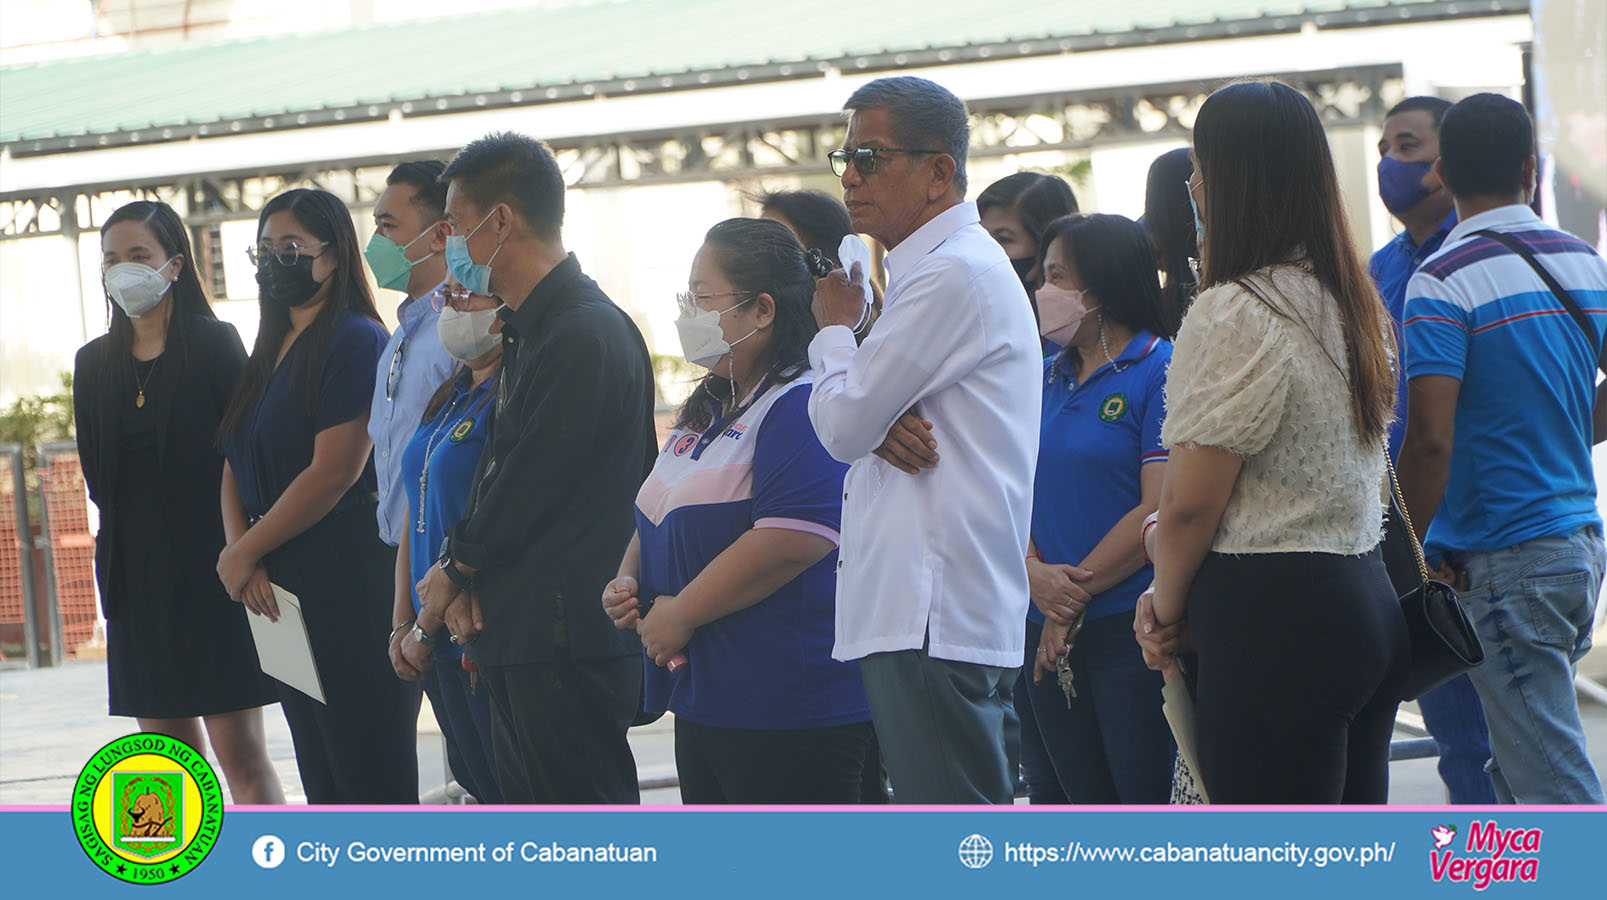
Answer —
451 444
1475 311
768 666
1095 439
1392 267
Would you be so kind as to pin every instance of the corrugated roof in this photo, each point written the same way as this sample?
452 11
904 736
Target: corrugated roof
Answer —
605 43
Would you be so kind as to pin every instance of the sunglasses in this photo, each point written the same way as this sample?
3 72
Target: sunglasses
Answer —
864 159
457 298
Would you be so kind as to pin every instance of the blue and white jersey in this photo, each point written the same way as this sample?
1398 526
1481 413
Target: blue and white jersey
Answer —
1476 312
768 666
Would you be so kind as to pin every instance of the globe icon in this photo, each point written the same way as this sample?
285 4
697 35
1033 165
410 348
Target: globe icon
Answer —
976 852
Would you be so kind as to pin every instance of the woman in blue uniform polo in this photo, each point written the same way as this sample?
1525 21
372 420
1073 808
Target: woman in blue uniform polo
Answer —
732 567
438 469
1100 462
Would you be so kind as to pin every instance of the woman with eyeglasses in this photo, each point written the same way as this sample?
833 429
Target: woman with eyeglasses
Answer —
1277 400
438 471
147 399
299 494
733 563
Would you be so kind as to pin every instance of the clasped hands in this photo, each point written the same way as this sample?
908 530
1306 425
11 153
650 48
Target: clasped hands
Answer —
664 634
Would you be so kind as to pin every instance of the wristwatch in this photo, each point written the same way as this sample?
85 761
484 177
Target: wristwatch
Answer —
421 635
464 582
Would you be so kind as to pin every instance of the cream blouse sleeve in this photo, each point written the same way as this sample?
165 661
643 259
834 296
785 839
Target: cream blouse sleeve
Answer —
1230 374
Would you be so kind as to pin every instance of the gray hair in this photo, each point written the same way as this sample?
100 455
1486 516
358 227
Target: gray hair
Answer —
924 115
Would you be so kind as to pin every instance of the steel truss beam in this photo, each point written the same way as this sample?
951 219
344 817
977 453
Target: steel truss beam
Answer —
1059 122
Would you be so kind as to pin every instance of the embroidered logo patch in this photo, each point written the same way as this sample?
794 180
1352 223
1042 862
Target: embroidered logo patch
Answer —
1112 408
685 445
462 431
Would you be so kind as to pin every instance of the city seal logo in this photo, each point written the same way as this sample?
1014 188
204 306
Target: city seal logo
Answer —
147 808
1112 408
462 431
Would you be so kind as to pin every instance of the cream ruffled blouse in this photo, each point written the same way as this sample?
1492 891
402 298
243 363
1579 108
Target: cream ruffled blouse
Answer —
1257 384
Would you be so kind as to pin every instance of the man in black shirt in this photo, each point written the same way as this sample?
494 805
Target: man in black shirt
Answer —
551 512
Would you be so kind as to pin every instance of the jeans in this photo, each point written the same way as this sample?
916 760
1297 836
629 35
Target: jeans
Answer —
1111 743
1037 769
1455 720
1533 605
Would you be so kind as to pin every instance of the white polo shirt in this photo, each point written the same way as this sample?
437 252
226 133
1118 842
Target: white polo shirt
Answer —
939 555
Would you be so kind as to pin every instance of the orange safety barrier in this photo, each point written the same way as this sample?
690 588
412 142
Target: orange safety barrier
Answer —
72 544
12 600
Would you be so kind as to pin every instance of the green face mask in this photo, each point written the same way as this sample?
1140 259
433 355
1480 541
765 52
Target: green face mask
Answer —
388 260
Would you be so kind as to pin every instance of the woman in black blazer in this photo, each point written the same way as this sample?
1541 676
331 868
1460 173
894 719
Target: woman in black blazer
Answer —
148 398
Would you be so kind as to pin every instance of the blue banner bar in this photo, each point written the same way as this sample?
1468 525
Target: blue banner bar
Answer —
837 853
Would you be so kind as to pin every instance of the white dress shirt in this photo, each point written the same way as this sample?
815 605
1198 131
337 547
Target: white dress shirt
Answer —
938 556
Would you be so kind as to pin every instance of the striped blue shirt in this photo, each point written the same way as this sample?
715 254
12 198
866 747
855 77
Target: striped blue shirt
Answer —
1475 311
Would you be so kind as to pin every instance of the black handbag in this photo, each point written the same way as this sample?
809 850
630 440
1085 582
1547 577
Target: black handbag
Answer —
1444 644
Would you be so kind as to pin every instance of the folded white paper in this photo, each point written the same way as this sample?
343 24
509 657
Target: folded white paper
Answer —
283 650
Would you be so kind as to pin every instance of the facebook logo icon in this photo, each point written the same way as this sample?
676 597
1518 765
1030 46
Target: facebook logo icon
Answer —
268 851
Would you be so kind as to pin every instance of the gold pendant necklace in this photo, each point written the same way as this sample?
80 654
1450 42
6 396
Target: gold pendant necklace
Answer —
139 396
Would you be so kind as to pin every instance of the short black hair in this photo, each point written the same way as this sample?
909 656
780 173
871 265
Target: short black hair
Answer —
1484 140
424 176
924 115
1036 198
511 168
1434 106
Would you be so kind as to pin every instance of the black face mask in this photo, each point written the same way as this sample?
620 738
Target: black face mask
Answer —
283 285
1024 266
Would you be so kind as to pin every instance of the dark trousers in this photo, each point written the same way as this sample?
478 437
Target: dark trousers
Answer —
464 714
1301 659
558 730
1043 786
1111 743
947 729
753 766
361 745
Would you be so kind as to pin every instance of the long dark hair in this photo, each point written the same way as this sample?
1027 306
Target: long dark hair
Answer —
1170 222
1116 262
763 256
325 218
1271 197
186 297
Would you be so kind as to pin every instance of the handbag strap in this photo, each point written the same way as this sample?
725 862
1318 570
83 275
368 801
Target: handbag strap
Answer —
1400 504
1557 290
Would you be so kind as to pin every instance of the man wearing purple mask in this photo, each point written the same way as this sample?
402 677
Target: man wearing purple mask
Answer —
1413 194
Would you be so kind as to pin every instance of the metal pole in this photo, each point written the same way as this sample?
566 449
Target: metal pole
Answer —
19 502
57 650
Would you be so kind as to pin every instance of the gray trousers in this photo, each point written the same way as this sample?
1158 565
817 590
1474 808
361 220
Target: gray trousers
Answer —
948 731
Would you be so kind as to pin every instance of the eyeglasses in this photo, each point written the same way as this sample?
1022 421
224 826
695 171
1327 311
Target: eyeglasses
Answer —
457 298
688 300
394 376
285 253
864 158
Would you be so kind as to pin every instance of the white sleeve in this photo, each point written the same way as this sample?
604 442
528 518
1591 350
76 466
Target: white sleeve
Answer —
924 342
1229 379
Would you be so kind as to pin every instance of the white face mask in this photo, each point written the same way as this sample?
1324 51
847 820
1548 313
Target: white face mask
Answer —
467 335
702 340
136 287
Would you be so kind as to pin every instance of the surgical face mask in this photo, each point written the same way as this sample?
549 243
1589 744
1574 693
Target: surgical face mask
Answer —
136 287
388 260
466 335
286 285
1060 313
1199 223
702 340
476 278
1400 184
